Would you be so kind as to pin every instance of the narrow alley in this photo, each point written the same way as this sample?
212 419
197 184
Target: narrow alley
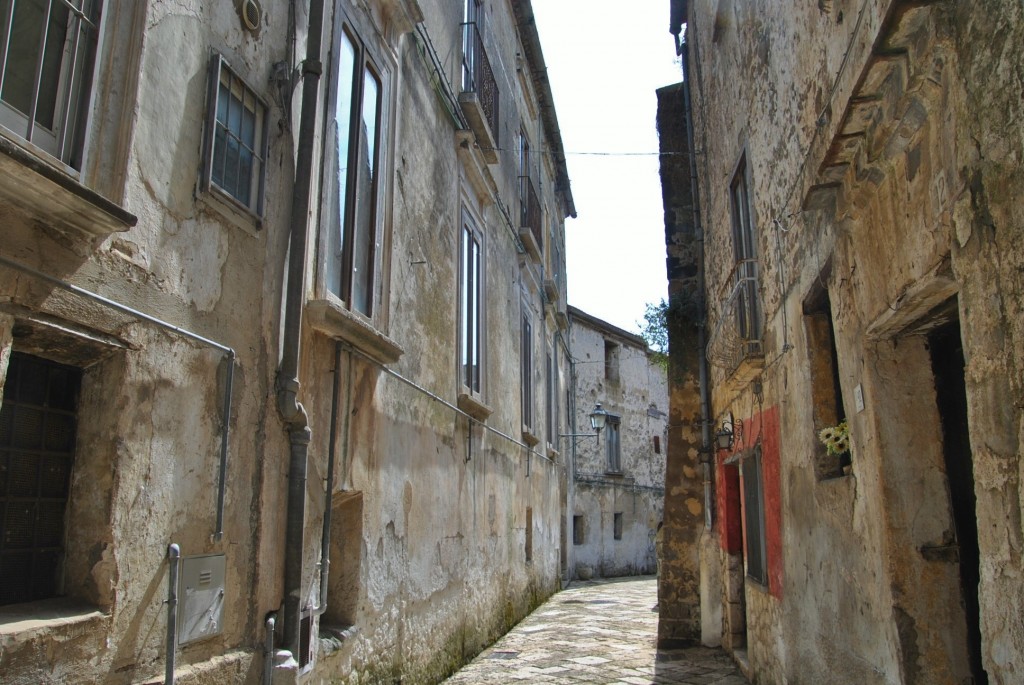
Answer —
597 632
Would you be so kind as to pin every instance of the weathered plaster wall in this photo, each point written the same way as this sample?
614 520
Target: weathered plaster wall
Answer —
881 171
444 534
635 389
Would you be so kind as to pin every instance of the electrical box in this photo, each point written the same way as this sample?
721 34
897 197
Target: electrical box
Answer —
200 597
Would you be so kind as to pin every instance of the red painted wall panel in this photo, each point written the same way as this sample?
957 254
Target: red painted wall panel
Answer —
763 426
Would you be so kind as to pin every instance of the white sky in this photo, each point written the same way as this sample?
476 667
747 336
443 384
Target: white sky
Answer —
605 60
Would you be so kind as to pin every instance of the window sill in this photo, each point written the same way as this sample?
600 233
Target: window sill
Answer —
26 621
331 318
553 452
223 206
615 474
52 196
530 243
530 438
474 407
475 164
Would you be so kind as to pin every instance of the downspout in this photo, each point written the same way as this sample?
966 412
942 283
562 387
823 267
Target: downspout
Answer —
705 391
173 560
332 450
293 413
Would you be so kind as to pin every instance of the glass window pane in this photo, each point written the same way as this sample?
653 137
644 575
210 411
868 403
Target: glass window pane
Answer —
341 132
365 234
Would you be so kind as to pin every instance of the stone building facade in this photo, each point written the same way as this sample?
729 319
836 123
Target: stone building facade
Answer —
278 284
846 243
618 479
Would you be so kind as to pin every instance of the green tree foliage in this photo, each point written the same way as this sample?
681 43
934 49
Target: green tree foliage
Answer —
654 330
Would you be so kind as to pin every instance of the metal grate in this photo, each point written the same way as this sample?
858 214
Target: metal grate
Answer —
37 442
47 51
478 77
530 215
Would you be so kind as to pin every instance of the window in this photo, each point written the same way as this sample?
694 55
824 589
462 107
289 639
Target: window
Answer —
753 513
472 50
526 369
657 444
236 139
611 361
748 306
617 525
38 422
47 54
480 97
551 399
826 394
352 182
529 534
612 446
531 215
470 307
577 529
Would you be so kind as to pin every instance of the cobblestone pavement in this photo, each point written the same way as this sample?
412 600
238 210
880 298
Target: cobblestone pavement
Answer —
597 632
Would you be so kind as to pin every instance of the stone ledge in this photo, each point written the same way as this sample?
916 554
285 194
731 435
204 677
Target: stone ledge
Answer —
474 407
331 318
20 622
54 197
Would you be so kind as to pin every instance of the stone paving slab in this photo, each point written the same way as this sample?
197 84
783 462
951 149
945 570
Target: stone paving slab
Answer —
602 631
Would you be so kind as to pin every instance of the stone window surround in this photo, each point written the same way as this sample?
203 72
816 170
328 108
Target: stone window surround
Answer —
209 187
65 342
327 311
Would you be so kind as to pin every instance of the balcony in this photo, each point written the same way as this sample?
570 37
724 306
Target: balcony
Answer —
530 219
736 343
479 97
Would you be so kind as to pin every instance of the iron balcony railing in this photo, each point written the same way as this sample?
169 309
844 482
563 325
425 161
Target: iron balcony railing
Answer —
530 214
477 76
738 333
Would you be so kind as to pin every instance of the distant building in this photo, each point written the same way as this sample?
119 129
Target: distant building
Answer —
282 307
854 267
618 481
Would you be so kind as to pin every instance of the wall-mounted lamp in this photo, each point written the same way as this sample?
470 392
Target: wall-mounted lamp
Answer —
723 438
598 419
728 433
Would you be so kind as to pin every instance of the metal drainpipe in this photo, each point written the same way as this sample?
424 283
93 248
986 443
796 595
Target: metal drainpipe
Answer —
268 649
173 559
705 391
291 411
325 534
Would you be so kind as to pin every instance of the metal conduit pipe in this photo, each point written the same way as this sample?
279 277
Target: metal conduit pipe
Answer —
705 391
268 649
173 560
332 449
229 356
293 413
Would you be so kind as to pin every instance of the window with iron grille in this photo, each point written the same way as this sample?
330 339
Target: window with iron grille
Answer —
47 56
748 303
753 513
235 139
352 183
612 443
38 420
471 291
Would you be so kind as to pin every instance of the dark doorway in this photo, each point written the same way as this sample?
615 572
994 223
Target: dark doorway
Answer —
951 395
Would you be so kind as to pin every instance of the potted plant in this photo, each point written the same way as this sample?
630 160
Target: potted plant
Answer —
836 440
